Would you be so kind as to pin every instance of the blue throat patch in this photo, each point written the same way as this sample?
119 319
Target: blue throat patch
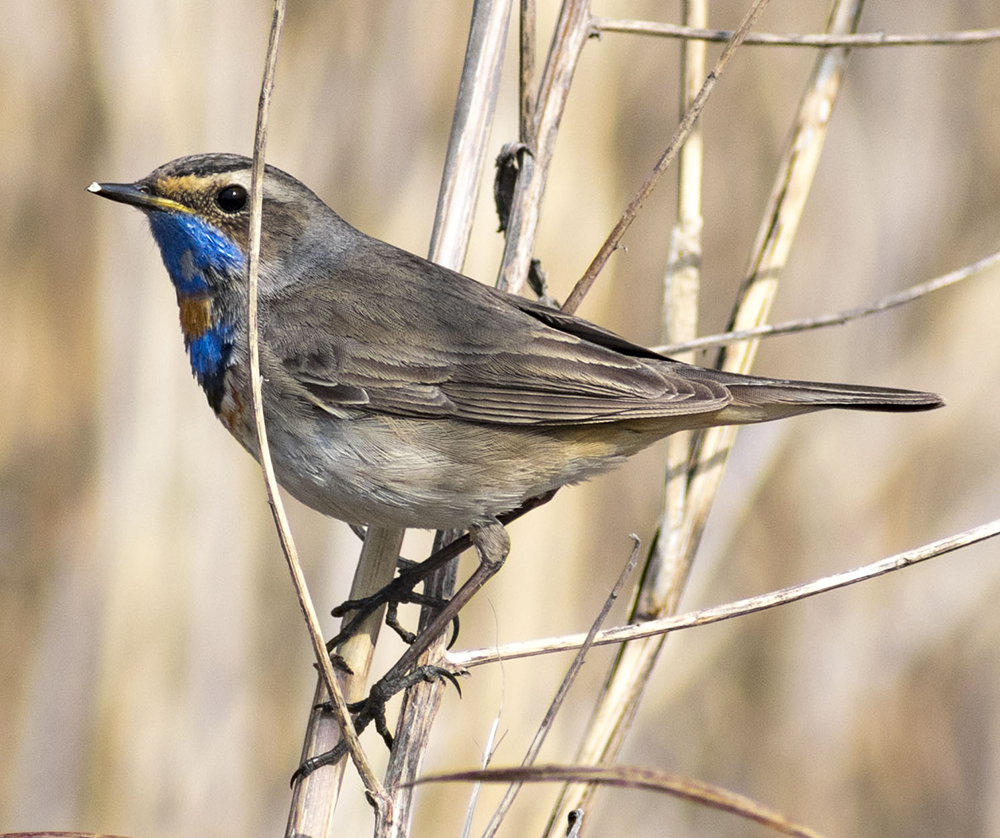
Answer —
192 249
209 354
197 255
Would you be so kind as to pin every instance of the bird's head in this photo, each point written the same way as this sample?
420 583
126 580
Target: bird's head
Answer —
199 212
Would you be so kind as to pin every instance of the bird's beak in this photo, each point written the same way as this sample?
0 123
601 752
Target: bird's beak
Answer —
137 195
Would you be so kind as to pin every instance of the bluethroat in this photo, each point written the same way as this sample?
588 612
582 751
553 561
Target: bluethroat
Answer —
400 393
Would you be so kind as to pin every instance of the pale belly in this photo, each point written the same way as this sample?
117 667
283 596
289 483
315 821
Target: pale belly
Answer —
424 473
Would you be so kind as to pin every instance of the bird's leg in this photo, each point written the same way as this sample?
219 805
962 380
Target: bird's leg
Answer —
492 546
407 636
400 589
373 710
373 707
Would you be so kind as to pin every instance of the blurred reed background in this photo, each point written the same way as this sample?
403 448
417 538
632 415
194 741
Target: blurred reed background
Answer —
156 672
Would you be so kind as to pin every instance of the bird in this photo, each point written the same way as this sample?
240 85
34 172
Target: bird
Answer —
399 393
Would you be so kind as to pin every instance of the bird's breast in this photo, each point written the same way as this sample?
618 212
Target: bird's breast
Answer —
236 414
196 315
208 338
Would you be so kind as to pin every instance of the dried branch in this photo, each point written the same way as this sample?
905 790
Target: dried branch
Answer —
475 105
682 284
571 33
739 608
341 713
914 292
687 123
681 287
869 39
632 777
526 71
316 793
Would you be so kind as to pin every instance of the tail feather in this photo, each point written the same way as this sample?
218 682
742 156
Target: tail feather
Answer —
762 399
848 396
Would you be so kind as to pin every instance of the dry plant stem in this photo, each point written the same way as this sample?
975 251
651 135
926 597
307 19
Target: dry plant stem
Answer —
470 129
681 288
770 253
739 608
680 135
465 159
60 835
419 707
872 39
908 295
550 716
624 690
680 305
526 71
274 500
571 32
632 777
757 292
318 791
489 747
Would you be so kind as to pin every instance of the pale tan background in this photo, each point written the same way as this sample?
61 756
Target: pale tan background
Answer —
156 675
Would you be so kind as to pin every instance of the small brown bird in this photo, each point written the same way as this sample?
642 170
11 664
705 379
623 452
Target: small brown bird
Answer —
400 393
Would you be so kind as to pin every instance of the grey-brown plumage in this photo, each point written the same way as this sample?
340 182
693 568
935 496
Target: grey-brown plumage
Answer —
398 392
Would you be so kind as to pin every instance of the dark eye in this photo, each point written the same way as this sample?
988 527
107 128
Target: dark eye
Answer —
232 198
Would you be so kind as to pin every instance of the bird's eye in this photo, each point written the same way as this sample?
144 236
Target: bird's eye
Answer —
232 198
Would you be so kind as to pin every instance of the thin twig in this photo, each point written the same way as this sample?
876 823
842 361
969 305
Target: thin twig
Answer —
739 608
526 71
687 123
489 747
914 292
967 37
574 669
633 777
368 777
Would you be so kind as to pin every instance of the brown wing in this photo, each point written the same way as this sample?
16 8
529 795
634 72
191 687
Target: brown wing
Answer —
392 333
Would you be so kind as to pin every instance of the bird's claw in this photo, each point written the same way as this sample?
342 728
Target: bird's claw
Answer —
372 710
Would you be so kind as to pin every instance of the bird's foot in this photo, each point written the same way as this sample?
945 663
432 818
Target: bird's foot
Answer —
398 592
372 710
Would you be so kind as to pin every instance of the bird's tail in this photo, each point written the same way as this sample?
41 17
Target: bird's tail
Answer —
850 396
762 399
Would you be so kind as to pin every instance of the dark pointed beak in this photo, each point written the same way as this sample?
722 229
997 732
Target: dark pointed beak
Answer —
136 194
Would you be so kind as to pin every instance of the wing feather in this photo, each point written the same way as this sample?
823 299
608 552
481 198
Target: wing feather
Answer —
396 334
